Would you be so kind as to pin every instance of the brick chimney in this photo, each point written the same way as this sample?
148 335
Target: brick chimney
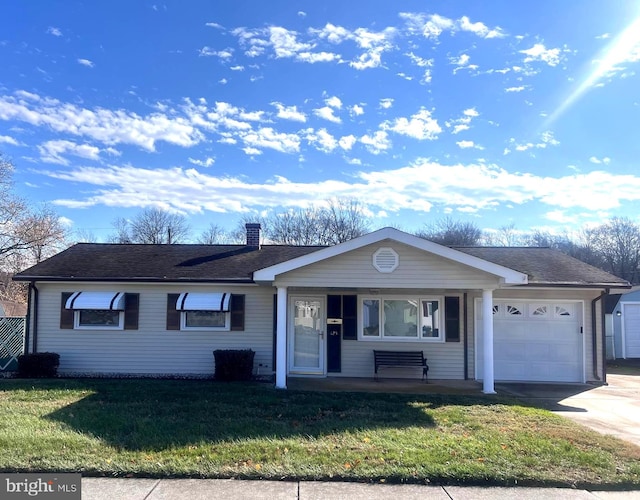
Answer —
253 235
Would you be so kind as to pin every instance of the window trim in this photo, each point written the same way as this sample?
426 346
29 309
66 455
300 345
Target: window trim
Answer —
78 326
441 338
225 328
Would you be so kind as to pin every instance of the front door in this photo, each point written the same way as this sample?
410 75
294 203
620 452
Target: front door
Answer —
306 349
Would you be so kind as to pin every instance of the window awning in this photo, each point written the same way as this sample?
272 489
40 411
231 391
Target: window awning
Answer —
200 301
113 301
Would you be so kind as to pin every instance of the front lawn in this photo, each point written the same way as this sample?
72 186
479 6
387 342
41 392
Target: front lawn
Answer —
179 428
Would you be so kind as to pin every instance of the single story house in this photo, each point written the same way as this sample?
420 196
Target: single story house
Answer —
483 313
624 325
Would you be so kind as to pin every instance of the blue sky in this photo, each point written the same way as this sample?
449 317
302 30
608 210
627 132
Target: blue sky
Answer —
492 112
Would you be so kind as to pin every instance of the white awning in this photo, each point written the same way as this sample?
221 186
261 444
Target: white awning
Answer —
200 301
113 301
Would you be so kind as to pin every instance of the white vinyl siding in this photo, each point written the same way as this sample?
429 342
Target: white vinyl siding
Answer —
152 349
416 269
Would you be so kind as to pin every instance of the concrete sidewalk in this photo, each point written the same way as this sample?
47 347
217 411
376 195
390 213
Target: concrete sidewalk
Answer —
230 489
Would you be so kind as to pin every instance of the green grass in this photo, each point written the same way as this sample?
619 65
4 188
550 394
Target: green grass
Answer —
178 428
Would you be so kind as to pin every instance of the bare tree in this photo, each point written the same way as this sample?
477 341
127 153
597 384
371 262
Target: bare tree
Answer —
33 233
341 220
213 235
617 242
345 220
153 226
451 232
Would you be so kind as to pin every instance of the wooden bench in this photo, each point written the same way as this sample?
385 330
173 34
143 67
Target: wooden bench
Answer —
400 359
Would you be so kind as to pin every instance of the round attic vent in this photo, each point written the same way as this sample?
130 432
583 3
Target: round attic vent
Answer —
385 260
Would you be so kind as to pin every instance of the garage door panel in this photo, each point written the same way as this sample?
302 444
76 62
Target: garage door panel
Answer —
533 347
632 330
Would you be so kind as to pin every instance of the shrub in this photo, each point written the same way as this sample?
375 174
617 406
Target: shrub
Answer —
38 365
233 364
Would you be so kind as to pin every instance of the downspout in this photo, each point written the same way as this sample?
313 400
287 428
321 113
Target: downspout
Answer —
594 336
465 331
604 342
27 326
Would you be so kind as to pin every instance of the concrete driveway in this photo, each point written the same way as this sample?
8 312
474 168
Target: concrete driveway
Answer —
612 409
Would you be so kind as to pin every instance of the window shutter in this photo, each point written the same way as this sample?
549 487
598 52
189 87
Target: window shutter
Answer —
66 315
237 312
452 319
131 310
350 317
173 315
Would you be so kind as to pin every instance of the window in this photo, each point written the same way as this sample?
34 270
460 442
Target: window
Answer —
99 310
400 318
214 311
205 320
98 318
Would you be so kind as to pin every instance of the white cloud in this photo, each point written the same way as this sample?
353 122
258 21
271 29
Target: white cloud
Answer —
321 139
421 126
110 127
515 89
289 112
52 151
334 102
86 62
539 52
471 187
222 54
374 45
346 142
479 28
460 124
214 25
468 144
207 162
251 151
546 139
376 143
606 160
5 139
327 113
52 30
333 34
269 138
356 110
386 103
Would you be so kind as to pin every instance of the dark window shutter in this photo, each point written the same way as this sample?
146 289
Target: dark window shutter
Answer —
131 310
452 319
350 317
173 315
66 315
237 312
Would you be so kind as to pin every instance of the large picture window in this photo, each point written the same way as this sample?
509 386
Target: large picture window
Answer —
401 318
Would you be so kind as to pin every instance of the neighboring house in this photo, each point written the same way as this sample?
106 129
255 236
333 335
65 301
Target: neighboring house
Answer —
625 326
527 314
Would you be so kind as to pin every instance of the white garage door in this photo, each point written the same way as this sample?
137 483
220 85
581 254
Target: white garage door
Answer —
631 315
534 341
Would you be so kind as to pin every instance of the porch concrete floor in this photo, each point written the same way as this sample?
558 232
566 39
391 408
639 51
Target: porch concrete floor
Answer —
406 386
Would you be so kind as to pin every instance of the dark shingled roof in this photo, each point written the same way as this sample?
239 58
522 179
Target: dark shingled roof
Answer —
120 262
164 263
546 266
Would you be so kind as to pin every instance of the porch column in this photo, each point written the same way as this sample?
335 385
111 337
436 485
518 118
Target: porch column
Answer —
281 339
487 328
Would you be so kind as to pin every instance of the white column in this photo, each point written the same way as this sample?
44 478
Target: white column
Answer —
281 339
487 329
